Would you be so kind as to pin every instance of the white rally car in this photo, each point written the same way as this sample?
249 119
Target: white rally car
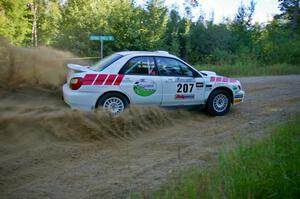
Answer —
148 78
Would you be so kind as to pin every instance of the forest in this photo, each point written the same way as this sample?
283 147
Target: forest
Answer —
68 24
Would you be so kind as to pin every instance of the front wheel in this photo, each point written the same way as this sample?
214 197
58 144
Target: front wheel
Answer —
114 103
218 103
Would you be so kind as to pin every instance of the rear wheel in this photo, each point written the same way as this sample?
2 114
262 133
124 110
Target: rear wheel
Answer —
218 103
114 103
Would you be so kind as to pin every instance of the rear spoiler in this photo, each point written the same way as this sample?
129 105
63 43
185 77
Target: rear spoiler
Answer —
78 68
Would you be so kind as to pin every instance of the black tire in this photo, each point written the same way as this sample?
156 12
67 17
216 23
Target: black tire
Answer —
214 96
107 96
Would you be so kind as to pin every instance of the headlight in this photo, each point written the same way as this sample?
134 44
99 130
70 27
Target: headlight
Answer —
239 85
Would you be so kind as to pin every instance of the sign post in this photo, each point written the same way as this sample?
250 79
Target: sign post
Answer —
101 39
101 48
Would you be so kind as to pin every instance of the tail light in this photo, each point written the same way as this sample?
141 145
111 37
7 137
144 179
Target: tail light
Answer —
75 83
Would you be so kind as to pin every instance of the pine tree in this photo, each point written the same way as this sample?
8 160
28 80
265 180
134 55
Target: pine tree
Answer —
291 12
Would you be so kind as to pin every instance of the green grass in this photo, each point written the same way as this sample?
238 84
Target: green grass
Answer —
269 168
252 69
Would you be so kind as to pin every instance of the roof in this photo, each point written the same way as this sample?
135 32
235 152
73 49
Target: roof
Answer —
165 53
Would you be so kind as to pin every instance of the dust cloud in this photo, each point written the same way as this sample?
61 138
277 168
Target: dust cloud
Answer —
72 125
35 67
99 125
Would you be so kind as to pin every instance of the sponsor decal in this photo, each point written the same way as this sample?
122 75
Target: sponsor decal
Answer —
239 96
102 79
184 96
234 87
144 87
199 84
222 79
208 87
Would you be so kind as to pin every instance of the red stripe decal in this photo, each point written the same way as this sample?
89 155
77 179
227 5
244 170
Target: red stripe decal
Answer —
225 79
212 79
89 79
110 79
101 78
118 80
233 80
218 79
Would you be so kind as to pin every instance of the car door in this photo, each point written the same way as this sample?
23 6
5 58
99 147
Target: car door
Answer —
141 81
182 85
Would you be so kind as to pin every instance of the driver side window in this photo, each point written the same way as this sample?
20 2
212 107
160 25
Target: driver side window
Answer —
173 67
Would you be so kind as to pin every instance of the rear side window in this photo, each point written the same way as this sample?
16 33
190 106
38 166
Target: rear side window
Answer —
107 61
140 66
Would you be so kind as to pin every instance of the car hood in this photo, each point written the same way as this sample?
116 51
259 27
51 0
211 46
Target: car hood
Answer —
208 73
212 76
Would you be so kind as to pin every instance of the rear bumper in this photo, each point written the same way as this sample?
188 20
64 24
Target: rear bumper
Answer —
239 97
79 99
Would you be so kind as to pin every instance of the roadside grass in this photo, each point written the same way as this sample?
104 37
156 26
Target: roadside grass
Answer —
251 69
269 168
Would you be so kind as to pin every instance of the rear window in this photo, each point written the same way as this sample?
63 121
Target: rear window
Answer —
107 61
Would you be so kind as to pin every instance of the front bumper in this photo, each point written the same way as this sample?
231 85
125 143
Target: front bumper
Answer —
79 99
239 97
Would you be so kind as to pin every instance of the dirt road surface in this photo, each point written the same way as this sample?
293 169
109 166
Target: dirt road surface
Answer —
37 160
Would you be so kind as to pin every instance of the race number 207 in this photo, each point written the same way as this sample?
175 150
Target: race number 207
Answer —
185 88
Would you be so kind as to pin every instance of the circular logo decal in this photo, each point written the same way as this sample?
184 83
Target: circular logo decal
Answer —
144 87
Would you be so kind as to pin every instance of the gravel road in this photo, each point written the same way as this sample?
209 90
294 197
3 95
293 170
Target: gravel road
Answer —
34 163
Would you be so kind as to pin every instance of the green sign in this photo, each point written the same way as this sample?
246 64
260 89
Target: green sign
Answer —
101 38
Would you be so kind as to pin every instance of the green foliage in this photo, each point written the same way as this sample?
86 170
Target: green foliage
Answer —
174 38
48 23
265 169
133 28
290 12
154 21
210 43
14 23
77 23
276 45
254 69
153 27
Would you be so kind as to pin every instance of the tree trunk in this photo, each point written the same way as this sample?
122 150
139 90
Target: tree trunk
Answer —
34 24
294 19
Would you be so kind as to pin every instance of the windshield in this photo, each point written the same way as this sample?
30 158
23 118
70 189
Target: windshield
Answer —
102 64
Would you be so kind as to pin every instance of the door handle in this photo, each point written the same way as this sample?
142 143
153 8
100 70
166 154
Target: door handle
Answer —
170 80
